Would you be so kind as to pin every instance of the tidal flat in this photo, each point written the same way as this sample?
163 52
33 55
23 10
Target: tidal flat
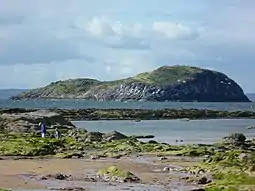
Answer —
86 160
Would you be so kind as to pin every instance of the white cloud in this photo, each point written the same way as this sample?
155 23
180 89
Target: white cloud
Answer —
174 31
117 35
111 39
100 27
105 28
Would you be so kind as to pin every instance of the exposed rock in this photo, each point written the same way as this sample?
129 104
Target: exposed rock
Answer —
115 135
235 138
93 137
94 157
166 169
252 169
28 121
221 148
152 142
203 180
143 136
57 176
76 133
244 157
115 174
148 114
163 158
200 171
251 127
167 83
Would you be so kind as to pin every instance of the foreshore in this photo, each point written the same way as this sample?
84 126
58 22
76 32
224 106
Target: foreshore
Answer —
82 160
139 114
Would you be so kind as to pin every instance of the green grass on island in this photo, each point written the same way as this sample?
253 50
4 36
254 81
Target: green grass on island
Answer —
165 75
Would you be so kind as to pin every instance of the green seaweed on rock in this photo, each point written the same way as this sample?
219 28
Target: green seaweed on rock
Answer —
114 173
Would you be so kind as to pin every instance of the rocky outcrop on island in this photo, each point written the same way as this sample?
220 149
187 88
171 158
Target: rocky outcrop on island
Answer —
167 83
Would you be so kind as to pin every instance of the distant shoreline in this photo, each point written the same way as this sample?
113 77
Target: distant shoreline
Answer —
139 114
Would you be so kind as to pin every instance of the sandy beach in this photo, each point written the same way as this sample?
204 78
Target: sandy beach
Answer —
14 174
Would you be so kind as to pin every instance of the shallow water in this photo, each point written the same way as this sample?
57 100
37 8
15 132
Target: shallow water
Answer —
75 104
191 132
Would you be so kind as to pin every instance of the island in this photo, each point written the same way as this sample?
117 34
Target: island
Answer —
166 83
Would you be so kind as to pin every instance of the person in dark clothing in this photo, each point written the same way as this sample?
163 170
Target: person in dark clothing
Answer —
43 129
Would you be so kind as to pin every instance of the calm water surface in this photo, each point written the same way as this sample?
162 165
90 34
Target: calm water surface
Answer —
195 131
76 104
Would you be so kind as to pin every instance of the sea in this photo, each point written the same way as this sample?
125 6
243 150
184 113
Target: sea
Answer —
169 131
79 104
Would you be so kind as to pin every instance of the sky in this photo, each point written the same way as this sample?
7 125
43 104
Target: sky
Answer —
50 40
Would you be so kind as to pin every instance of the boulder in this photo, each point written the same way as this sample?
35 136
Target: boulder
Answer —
112 136
58 176
116 174
143 136
235 138
29 121
203 180
244 157
93 137
251 127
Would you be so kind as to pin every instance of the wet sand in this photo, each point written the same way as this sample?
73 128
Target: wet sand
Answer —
12 172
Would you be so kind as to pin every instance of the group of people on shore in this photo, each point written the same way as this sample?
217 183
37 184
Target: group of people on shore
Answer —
44 130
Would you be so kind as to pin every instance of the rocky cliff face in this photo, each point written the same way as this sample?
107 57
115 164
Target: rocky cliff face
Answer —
164 84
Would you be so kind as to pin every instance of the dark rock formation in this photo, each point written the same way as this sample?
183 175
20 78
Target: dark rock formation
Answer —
133 114
146 114
113 136
176 83
29 121
58 176
235 138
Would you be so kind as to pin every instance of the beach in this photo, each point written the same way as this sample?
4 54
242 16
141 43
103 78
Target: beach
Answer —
98 155
21 174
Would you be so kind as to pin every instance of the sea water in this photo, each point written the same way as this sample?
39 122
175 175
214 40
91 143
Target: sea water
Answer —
173 131
78 104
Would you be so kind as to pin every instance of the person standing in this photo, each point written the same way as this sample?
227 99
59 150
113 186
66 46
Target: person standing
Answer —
57 133
43 129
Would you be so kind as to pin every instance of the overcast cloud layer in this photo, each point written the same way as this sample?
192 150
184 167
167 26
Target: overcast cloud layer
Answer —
44 41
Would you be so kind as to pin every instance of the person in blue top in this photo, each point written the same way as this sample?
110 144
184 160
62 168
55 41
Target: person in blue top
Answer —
43 129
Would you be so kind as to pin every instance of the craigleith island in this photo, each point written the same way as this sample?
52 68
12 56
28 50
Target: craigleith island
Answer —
167 83
78 159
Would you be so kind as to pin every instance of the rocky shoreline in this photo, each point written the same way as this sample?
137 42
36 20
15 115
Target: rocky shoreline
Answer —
226 165
136 114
